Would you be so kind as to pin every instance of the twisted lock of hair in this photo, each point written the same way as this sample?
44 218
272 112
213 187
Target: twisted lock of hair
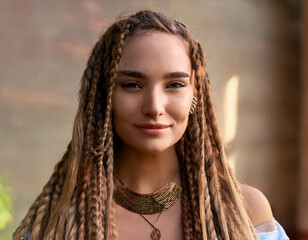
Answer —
28 220
61 226
75 151
39 208
186 206
71 218
50 230
205 152
235 212
208 160
101 173
93 204
117 51
107 135
191 151
86 163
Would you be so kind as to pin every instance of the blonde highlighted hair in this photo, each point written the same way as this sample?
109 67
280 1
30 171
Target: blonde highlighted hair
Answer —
77 201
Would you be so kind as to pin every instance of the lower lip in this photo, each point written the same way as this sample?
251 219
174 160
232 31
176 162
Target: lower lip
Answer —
153 131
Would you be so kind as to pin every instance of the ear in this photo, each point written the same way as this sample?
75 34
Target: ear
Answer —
193 82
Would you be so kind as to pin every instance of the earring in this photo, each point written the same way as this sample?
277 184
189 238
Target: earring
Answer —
193 105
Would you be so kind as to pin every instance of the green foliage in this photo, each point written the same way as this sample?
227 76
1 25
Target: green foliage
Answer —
5 206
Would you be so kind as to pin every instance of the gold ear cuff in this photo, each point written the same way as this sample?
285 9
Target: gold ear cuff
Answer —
193 105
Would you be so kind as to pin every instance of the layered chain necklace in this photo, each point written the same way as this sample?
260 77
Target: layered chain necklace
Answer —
150 203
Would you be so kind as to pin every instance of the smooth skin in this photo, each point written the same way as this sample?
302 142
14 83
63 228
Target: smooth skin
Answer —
152 98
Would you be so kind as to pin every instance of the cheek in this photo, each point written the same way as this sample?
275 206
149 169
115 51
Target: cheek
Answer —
118 113
122 105
180 110
183 119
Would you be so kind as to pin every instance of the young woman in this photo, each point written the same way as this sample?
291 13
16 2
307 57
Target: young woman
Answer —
145 160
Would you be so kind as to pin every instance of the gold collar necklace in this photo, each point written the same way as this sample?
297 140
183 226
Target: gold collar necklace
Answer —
150 203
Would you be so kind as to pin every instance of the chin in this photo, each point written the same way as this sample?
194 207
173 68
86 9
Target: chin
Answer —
151 147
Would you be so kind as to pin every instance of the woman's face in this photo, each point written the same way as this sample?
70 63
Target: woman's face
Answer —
153 93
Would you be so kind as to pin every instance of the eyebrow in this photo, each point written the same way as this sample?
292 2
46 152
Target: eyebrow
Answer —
134 74
137 74
177 75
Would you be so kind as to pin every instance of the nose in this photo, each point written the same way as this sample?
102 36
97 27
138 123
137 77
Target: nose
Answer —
153 103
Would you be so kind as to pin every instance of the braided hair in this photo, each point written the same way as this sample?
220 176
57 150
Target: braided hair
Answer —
77 201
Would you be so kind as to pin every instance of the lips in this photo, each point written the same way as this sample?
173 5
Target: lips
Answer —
151 129
152 126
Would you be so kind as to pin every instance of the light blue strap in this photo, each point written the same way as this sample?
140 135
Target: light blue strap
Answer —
277 234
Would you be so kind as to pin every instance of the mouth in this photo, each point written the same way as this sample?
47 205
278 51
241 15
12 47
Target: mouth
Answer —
152 126
153 129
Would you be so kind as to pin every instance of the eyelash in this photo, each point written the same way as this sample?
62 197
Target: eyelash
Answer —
178 84
135 85
130 85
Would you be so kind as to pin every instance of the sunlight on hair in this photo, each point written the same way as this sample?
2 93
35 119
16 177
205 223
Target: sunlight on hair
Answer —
230 114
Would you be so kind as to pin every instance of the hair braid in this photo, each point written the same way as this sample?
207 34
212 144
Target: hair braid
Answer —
50 231
93 205
233 196
192 149
86 163
58 187
93 202
28 219
100 148
84 182
222 190
102 198
116 54
207 210
44 204
207 154
71 220
101 173
61 226
186 207
109 206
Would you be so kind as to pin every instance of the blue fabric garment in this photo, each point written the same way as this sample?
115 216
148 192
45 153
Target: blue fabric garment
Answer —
27 234
277 234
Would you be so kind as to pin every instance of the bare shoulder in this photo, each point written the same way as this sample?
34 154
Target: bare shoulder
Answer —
256 204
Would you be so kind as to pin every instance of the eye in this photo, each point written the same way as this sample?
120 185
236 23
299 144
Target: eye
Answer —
130 85
176 84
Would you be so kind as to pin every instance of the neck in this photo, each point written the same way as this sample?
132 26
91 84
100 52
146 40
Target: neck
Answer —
147 172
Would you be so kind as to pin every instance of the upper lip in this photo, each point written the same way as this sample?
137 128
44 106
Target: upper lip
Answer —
152 125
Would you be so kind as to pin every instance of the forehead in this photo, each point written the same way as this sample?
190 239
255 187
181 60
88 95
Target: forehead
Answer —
155 51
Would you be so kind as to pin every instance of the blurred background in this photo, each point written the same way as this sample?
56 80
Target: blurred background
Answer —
256 51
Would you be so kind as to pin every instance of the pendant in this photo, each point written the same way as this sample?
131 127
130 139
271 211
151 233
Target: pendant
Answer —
155 234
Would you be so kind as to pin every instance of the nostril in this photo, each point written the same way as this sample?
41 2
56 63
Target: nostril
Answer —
153 104
153 110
